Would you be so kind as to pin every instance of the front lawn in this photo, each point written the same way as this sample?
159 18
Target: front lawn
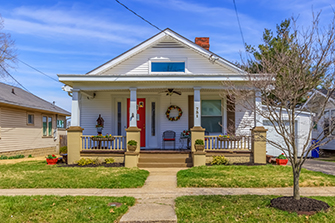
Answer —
243 208
250 176
37 174
62 209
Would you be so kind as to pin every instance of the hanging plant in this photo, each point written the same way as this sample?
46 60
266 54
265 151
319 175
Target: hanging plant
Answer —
168 111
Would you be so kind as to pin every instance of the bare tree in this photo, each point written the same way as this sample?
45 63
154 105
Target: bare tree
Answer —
7 50
281 77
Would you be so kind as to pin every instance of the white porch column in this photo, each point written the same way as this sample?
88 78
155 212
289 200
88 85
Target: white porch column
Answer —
133 108
197 107
258 109
75 110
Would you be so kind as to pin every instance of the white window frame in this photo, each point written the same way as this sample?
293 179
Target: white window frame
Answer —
223 111
167 60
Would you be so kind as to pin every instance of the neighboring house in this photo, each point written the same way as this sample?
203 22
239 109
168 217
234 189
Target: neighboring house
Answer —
29 124
327 121
133 92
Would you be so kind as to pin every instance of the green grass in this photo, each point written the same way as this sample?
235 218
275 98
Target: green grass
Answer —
37 174
62 209
250 176
243 208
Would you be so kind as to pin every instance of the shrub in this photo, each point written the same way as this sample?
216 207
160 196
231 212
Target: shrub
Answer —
109 160
220 160
132 143
2 157
30 156
199 142
85 161
63 149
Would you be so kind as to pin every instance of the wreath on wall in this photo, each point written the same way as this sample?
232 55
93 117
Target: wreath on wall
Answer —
180 113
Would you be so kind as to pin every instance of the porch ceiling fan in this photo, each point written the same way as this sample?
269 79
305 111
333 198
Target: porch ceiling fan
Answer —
171 91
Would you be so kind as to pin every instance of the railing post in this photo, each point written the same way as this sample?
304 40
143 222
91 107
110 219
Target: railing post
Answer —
131 158
258 146
74 143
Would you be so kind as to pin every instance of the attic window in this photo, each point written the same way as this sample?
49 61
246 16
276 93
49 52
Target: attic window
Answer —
167 66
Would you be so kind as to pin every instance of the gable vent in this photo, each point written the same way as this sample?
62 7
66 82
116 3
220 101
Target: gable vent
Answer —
168 45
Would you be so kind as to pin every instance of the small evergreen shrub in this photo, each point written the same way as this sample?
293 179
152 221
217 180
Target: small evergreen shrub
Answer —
85 161
2 157
30 156
199 142
132 143
109 160
220 160
63 149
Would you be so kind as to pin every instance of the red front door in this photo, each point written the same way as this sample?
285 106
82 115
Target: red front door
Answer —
140 117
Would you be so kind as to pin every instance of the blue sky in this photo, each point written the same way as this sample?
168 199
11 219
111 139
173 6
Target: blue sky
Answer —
73 37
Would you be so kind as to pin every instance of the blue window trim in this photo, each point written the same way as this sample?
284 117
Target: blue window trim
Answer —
167 66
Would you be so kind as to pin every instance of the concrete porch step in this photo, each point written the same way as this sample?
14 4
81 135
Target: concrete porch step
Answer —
163 165
165 160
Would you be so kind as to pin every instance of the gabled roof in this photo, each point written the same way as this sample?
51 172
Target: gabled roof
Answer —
319 92
25 99
151 41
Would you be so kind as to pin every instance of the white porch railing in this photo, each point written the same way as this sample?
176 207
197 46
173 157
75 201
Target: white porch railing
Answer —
242 143
118 144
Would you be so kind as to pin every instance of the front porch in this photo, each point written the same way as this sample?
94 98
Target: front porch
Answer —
144 116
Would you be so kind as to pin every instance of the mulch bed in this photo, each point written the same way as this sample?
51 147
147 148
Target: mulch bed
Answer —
306 206
93 165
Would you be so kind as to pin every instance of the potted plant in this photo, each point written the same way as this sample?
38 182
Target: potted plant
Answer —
281 160
132 145
199 145
52 159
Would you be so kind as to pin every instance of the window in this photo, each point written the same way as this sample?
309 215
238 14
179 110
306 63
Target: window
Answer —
211 115
167 66
47 125
60 124
153 118
119 132
30 120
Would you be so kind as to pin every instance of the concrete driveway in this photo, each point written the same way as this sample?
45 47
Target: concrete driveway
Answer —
320 166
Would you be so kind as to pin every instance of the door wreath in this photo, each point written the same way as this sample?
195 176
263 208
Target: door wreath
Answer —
180 113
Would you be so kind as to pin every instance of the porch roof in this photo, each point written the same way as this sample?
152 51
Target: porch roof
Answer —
72 79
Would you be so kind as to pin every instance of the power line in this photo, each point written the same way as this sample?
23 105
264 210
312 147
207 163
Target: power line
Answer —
38 70
14 79
238 21
139 16
32 67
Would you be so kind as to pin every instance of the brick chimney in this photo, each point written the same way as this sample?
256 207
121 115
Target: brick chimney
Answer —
203 42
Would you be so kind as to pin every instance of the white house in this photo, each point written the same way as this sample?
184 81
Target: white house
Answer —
327 121
137 88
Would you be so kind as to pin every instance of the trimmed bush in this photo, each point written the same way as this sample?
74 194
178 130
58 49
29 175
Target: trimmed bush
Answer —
220 160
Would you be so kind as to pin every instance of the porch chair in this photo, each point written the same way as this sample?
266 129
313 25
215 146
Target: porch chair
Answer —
169 136
206 134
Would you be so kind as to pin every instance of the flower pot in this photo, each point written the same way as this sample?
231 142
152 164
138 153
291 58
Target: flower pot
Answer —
131 148
52 161
99 130
281 162
199 147
64 155
103 139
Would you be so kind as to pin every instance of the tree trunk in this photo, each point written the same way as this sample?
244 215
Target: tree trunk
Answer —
296 191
